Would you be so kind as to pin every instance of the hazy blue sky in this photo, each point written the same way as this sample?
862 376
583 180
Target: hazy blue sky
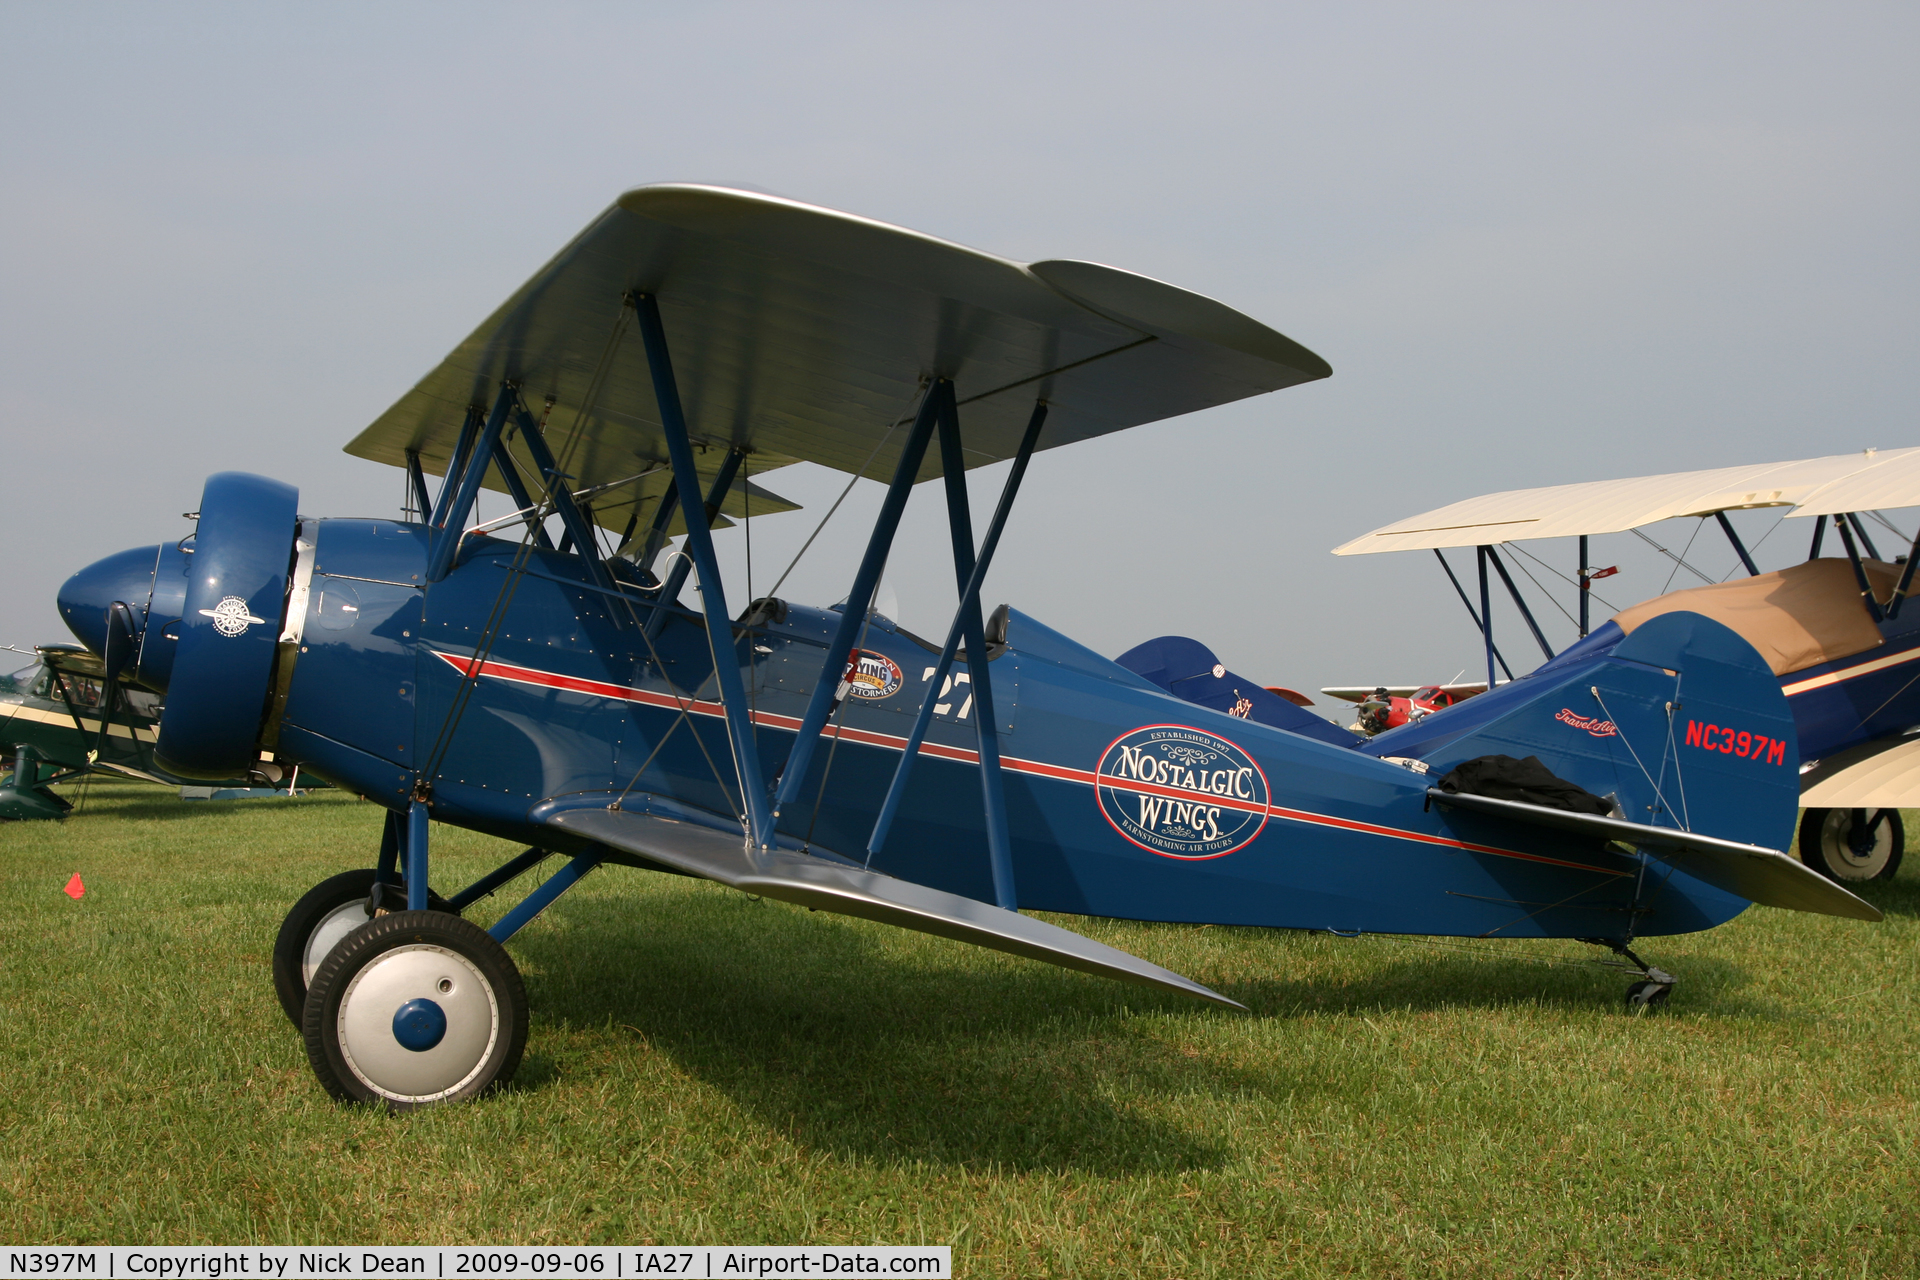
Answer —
1538 243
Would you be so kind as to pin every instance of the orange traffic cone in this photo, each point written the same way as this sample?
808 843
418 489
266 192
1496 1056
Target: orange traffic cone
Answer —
75 889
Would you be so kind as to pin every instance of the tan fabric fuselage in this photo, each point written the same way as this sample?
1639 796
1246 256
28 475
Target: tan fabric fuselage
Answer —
1797 618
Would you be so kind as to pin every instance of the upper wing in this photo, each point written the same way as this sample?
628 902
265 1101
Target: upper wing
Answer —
1891 479
804 334
1613 506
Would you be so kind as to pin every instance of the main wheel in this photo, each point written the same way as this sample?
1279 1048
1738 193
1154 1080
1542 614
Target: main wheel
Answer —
327 913
1853 845
415 1008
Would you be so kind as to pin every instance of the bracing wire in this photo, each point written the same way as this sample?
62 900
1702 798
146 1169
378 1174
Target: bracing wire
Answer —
1595 690
1673 751
893 427
489 638
1889 526
1548 594
839 712
1679 561
1563 577
1737 566
576 433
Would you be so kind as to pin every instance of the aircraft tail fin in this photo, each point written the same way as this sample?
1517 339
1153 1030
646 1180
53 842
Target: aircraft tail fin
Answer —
1682 725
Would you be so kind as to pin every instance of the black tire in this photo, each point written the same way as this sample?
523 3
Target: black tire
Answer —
390 978
292 963
1826 847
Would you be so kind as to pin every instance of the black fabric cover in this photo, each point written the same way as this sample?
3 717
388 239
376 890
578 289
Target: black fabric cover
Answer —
1526 781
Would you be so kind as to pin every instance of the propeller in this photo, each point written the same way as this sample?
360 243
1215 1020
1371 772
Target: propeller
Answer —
122 639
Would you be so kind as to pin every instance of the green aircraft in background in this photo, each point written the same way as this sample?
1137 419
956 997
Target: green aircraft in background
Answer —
50 719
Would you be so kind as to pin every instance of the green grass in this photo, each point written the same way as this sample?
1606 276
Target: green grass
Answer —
707 1068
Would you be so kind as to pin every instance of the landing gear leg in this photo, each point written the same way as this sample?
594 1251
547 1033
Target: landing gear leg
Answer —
1853 845
330 911
1653 985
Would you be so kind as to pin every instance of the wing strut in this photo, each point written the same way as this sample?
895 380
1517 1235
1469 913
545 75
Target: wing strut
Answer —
517 489
418 480
584 543
713 600
437 513
657 530
677 576
453 512
1846 526
865 579
1492 651
986 731
966 618
1520 603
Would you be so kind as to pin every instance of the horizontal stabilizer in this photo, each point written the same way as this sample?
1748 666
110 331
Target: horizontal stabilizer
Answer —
825 885
1766 876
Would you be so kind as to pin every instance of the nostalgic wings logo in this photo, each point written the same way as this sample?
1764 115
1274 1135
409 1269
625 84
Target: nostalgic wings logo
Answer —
873 675
1181 792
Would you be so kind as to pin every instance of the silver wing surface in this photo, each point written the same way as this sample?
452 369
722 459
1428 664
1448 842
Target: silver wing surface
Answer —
1766 876
841 887
802 333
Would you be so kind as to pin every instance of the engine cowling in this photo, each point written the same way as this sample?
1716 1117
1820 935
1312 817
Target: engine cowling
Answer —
220 684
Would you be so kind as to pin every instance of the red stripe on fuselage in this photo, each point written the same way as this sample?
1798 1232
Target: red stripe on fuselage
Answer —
1085 777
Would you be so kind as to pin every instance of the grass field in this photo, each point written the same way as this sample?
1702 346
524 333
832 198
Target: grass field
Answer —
706 1068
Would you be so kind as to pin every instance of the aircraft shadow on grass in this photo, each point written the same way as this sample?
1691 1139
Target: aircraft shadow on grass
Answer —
1897 898
826 1034
830 1036
163 806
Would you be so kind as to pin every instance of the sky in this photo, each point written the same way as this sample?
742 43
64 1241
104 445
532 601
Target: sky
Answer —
1537 243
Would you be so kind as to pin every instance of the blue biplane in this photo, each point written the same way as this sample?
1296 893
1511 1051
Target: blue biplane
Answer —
551 687
1831 628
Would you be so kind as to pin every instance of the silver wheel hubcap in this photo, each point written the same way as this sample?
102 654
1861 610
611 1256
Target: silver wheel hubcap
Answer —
326 935
419 972
1836 847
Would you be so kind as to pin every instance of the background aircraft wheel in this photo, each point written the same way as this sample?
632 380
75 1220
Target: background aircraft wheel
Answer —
415 1008
1853 845
1647 995
327 913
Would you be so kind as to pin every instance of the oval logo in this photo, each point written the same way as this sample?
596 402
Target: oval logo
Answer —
874 676
230 616
1181 792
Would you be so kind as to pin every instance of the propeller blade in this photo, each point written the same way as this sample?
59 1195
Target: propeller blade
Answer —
119 646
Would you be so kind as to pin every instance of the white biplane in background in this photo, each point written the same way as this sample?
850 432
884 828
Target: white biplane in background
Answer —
1833 628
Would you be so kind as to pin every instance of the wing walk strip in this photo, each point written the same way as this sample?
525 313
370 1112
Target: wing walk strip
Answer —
512 674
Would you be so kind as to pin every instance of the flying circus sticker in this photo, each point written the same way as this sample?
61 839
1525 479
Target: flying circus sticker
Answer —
1181 792
873 675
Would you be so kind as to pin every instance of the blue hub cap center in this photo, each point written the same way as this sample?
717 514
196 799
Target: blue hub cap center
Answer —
419 1025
